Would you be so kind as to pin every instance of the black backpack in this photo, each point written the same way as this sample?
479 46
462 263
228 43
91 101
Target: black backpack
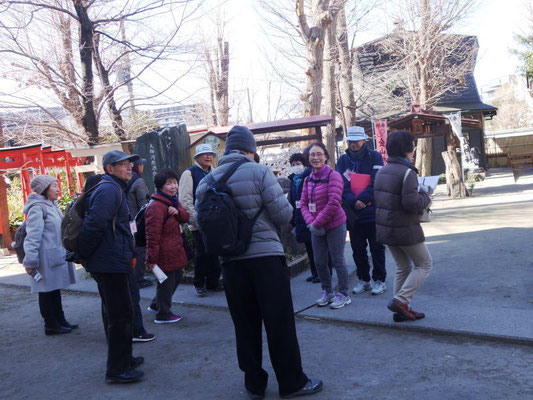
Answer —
20 235
225 229
73 221
140 235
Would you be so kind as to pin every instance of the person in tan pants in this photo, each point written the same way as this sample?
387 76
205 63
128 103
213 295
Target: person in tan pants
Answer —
399 202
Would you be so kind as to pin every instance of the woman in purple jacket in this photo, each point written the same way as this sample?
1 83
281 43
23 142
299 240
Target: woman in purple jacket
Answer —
325 218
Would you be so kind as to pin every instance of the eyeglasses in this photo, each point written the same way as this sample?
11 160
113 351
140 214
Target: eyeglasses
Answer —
124 164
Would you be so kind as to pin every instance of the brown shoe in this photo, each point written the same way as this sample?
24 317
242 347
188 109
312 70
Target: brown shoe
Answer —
418 315
397 306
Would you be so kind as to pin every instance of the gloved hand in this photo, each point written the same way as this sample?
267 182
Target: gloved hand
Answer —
427 189
316 231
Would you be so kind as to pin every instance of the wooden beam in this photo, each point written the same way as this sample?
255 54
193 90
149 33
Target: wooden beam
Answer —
288 139
4 215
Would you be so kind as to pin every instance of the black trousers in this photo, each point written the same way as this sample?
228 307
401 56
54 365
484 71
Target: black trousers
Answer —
366 232
140 266
51 308
206 266
164 293
117 316
258 291
138 326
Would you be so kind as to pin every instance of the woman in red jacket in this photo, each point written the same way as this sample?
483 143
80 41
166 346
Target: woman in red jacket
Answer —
164 243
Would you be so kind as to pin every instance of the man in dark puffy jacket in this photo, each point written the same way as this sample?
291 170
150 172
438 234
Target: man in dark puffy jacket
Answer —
105 241
360 159
257 282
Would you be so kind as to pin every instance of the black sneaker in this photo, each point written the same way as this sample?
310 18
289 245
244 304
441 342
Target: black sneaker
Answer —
200 291
128 376
144 337
218 288
135 362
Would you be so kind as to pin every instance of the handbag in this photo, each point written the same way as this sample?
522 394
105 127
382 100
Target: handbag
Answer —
351 215
424 217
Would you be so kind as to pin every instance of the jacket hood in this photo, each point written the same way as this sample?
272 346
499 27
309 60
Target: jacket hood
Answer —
34 199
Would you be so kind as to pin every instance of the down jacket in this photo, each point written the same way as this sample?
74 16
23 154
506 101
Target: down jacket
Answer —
137 194
398 204
107 247
327 197
295 193
370 164
254 186
164 243
43 247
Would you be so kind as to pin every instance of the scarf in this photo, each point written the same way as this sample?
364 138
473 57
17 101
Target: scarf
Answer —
357 155
173 199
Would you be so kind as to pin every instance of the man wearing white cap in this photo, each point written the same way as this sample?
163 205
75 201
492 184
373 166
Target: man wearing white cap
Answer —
360 159
206 267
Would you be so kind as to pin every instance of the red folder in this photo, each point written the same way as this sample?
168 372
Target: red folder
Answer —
358 183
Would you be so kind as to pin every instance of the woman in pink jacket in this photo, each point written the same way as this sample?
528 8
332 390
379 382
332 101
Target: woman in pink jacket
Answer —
325 218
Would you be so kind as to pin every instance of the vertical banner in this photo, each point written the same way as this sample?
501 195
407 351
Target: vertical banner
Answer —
380 132
457 129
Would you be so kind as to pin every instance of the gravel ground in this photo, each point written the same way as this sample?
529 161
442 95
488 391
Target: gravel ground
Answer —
195 359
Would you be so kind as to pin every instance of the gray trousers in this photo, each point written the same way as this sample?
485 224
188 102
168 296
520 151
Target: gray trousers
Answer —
333 241
408 278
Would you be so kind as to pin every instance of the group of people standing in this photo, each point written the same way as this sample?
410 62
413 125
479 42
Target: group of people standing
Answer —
256 283
383 211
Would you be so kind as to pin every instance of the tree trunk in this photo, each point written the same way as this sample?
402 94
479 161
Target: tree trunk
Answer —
454 183
222 84
346 79
314 40
424 152
86 59
330 106
116 118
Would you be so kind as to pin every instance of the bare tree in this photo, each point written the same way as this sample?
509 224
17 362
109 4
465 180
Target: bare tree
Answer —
431 62
218 77
38 41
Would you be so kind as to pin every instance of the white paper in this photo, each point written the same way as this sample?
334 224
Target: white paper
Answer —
430 181
159 274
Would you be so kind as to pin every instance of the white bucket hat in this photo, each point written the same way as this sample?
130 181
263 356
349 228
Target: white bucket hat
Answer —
203 149
356 133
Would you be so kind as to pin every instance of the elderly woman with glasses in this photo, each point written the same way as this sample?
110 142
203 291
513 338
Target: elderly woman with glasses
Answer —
322 211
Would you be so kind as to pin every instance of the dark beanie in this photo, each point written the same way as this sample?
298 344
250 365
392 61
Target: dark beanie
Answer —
241 138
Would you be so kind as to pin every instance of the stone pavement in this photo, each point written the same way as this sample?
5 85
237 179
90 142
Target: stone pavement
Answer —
481 284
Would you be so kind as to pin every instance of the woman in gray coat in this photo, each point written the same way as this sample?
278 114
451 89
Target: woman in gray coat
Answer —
45 254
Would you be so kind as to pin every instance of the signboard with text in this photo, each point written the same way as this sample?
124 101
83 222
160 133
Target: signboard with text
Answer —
380 133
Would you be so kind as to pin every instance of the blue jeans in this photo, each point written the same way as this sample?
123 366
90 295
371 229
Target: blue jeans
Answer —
333 241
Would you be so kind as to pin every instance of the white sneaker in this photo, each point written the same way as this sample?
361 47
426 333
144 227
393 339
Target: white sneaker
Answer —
340 301
361 287
379 288
325 299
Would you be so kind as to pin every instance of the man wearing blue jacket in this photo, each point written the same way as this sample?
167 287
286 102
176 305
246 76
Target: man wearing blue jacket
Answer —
105 241
360 159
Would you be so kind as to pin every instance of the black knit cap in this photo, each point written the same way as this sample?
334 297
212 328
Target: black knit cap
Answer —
241 138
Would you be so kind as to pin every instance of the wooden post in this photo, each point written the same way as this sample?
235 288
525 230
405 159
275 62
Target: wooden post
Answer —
4 215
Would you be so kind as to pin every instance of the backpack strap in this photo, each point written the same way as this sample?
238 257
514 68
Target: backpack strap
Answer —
407 172
224 178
